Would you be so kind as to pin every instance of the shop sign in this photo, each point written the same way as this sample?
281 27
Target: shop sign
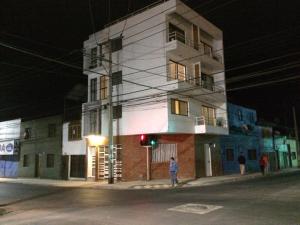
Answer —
7 147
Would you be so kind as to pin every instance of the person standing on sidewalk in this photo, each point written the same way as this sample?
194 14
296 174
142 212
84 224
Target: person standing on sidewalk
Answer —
242 162
173 171
265 158
262 164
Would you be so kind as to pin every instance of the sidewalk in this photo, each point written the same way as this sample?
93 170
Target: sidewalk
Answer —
153 184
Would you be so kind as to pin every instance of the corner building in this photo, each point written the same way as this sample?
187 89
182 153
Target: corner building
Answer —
168 80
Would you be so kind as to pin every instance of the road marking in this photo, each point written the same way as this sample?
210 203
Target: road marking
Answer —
195 208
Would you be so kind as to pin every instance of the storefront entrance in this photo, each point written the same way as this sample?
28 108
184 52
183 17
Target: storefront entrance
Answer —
98 162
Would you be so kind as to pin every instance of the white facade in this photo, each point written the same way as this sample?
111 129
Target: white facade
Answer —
10 130
155 97
72 147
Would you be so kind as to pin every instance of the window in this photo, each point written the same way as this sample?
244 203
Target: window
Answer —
25 161
164 152
209 115
93 121
252 154
175 33
116 44
50 160
240 115
27 133
117 112
52 130
93 89
207 81
229 154
293 156
177 71
74 131
103 87
251 117
93 63
117 78
197 74
179 107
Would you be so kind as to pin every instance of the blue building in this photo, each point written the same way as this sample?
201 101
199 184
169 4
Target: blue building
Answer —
243 138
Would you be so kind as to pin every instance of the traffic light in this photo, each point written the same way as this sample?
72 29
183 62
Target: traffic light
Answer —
148 140
144 140
153 140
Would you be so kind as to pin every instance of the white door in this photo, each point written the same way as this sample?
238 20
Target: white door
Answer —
208 167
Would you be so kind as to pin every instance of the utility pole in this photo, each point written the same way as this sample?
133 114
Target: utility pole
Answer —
296 134
110 115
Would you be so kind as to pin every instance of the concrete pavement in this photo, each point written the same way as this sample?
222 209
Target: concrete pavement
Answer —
153 184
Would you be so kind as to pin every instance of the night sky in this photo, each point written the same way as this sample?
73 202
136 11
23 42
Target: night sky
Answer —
261 38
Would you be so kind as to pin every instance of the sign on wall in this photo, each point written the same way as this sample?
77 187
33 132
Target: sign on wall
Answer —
7 147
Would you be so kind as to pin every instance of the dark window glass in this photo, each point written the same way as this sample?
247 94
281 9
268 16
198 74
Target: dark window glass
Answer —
116 44
240 115
25 160
93 63
117 111
252 154
117 78
52 130
93 89
207 81
74 131
50 160
27 133
175 33
229 154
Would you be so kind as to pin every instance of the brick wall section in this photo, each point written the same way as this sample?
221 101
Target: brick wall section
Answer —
134 157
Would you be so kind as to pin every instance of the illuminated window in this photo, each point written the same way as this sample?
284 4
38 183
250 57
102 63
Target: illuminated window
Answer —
103 87
177 71
179 107
209 114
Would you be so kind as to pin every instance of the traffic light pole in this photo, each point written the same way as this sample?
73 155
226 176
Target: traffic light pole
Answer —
148 163
110 114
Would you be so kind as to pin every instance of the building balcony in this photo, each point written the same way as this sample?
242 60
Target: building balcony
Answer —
215 126
178 44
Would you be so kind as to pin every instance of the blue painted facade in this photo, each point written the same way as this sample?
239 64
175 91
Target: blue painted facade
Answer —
243 138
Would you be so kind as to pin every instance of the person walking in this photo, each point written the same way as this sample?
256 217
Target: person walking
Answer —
173 171
242 162
262 164
265 158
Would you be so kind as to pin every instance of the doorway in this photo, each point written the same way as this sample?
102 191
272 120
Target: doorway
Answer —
37 166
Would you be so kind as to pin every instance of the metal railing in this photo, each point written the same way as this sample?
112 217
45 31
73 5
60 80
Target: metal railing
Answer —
215 122
202 47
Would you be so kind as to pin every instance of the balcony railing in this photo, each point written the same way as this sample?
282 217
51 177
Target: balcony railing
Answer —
202 47
215 122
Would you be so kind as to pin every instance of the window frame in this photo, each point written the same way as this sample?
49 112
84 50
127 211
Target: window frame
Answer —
103 87
229 157
177 75
174 107
52 130
93 89
74 127
93 58
250 154
26 160
50 161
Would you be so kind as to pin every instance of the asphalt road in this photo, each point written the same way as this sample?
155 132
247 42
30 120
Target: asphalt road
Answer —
267 200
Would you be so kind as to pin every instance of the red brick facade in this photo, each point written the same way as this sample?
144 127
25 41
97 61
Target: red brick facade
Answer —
134 157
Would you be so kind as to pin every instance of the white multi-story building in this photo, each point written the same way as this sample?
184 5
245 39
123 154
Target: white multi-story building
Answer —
168 80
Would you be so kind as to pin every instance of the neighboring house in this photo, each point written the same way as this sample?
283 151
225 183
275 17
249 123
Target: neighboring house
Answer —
41 147
286 151
243 139
74 145
292 150
267 146
9 147
168 81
